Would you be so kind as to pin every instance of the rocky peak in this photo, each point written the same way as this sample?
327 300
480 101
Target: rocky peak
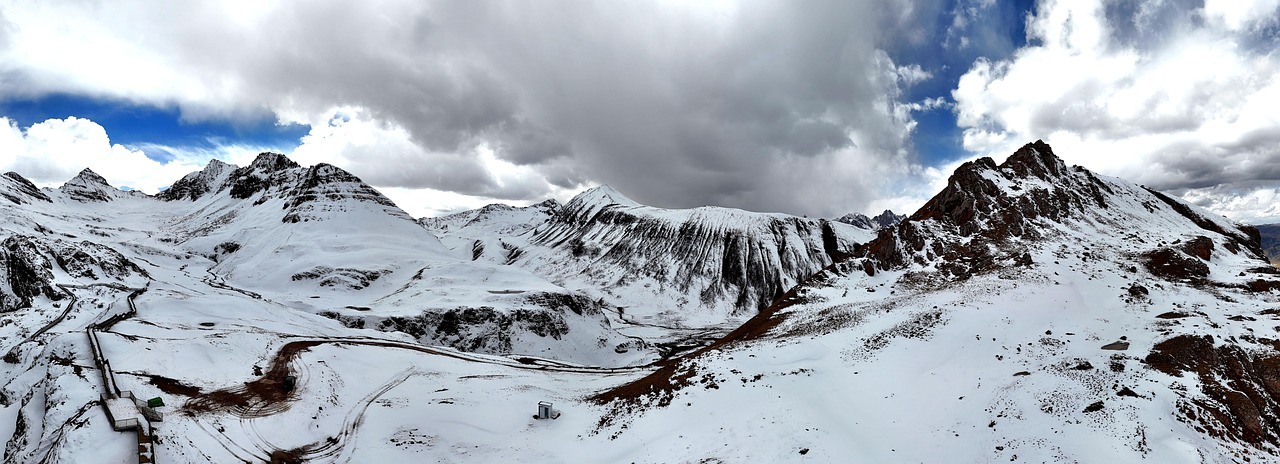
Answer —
603 194
258 176
982 197
87 177
269 162
880 221
1036 159
199 183
887 219
89 186
549 203
989 214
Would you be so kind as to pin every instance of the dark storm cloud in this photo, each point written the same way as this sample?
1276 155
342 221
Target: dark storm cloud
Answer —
1191 165
680 104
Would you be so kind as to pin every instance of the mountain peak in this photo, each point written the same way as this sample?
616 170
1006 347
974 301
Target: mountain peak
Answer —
603 195
1036 159
89 186
199 183
880 221
989 215
271 162
88 177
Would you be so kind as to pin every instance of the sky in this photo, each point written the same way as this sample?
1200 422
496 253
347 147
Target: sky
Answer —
814 108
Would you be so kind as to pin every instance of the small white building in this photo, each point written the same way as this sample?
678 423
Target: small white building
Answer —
545 411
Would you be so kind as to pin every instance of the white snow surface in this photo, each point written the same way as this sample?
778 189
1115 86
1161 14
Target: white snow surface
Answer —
899 366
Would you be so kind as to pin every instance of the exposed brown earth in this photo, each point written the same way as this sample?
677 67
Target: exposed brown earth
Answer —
1241 389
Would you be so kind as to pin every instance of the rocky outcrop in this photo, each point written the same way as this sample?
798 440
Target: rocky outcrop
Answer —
1239 397
882 221
24 274
20 191
989 214
1174 264
200 183
344 278
485 329
27 264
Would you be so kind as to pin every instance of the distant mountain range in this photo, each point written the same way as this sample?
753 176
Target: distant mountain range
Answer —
1271 241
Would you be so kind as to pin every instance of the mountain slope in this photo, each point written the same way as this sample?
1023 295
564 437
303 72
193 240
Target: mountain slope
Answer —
298 234
1028 312
690 267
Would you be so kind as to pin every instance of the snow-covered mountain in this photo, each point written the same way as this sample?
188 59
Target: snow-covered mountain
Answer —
675 267
881 221
88 186
1028 312
295 235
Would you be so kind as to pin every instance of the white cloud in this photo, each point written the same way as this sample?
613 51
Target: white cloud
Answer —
51 152
1241 14
676 103
1254 206
1190 108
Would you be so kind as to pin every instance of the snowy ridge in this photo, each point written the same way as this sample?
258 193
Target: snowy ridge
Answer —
679 263
881 221
197 184
1023 314
18 190
298 234
683 267
88 186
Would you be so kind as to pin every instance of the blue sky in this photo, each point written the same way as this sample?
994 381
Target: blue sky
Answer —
149 128
766 106
1000 31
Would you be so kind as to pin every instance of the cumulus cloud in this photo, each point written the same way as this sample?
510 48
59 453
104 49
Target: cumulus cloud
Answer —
1254 204
51 152
1171 94
758 105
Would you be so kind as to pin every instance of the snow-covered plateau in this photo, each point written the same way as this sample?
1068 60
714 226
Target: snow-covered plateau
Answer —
1030 312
